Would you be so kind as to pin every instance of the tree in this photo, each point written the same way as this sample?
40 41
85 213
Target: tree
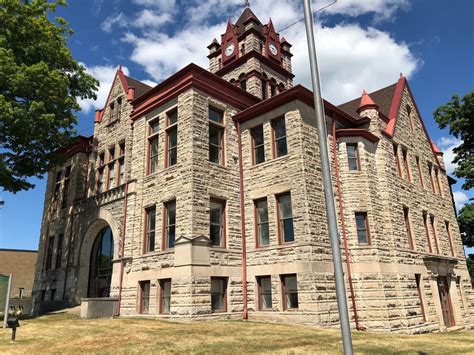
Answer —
466 224
40 83
470 267
458 114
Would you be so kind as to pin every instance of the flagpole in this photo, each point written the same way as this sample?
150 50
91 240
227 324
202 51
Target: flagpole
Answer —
327 181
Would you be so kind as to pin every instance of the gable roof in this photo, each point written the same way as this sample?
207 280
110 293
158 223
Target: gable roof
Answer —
140 88
382 97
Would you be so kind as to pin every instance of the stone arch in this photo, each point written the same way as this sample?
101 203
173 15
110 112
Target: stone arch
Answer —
104 219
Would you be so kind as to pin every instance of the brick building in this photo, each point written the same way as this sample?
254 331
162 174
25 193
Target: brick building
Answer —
21 264
202 198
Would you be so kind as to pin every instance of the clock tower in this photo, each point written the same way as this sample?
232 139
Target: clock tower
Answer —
252 56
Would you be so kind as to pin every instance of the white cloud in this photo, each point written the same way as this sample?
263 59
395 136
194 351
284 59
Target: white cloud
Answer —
149 83
119 20
163 5
351 57
382 9
447 144
460 199
105 74
150 19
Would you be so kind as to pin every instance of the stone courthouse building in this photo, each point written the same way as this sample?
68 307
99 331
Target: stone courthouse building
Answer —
202 198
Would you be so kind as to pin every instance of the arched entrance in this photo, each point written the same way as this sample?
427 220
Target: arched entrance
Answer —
100 272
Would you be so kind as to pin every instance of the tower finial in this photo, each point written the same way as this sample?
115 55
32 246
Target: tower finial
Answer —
247 3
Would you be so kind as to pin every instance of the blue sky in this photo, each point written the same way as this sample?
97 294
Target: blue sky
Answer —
361 45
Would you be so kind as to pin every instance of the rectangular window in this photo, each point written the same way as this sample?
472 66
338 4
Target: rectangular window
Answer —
216 136
420 295
121 149
362 228
53 294
427 233
49 253
258 145
438 182
397 159
353 157
150 227
264 89
170 225
165 296
172 138
59 252
111 154
154 127
217 223
67 175
264 292
285 217
100 180
144 297
57 190
279 137
290 291
112 112
121 177
219 294
430 172
406 163
111 179
448 233
420 172
119 108
406 216
433 231
261 223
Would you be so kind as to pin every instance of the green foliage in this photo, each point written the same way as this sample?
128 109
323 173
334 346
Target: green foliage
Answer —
458 114
466 224
40 83
470 267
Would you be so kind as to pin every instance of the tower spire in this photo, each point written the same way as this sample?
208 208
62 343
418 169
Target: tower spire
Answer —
247 3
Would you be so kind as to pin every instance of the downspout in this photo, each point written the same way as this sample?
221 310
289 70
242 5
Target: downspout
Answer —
343 225
124 226
242 227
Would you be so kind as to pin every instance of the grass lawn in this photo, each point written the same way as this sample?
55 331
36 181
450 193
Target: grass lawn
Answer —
66 333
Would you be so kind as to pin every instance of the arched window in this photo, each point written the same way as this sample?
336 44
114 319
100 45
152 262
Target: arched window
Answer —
100 274
264 86
281 87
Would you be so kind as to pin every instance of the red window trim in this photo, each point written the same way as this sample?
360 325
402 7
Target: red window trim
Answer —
150 137
161 296
418 280
141 286
406 163
279 231
356 145
224 134
283 291
420 171
438 183
272 124
430 172
427 233
164 236
406 217
169 127
367 230
259 293
145 237
397 159
448 232
226 284
223 203
433 229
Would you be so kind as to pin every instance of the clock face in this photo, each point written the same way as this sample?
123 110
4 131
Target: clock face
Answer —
229 50
273 49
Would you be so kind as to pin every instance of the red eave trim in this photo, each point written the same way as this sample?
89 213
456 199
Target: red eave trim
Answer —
192 76
393 114
357 132
395 106
254 54
124 83
298 93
